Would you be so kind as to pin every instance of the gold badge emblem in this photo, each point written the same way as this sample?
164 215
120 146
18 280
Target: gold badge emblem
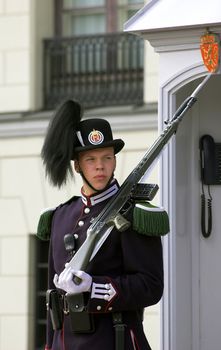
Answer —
210 51
95 137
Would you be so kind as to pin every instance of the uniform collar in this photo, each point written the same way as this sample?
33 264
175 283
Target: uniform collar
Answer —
102 196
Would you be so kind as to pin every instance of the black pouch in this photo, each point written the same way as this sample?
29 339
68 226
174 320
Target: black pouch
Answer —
55 307
81 320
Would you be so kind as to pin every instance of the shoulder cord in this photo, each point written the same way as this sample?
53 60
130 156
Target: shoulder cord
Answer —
206 233
119 327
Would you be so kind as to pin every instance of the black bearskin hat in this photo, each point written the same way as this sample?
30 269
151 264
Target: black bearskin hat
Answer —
67 135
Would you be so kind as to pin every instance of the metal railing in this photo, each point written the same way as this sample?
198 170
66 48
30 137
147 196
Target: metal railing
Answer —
98 70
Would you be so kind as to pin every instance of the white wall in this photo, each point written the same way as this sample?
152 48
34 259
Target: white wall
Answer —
14 55
151 67
23 24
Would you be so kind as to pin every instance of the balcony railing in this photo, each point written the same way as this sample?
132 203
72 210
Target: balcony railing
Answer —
98 70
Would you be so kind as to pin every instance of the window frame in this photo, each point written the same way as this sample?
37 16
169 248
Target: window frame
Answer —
111 8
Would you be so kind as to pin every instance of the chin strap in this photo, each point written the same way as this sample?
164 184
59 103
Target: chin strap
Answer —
91 186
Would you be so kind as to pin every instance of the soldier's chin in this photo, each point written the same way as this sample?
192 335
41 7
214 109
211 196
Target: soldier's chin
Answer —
100 185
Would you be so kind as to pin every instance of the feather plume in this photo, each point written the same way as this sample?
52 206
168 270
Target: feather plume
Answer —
57 150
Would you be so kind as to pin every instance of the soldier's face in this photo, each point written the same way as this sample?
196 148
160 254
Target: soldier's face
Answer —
97 166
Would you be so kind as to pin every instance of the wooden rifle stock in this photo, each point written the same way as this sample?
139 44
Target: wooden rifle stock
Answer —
104 222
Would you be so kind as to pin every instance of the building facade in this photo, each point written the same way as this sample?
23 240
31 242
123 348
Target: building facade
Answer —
47 49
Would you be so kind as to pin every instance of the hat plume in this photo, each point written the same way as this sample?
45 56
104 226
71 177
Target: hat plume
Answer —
57 150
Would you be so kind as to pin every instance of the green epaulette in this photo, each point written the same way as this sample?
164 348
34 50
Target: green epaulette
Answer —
45 220
150 220
44 224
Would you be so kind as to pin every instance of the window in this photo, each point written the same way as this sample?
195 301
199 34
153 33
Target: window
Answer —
86 17
82 3
126 9
40 251
90 58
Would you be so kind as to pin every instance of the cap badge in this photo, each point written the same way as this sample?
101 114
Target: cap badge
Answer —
95 137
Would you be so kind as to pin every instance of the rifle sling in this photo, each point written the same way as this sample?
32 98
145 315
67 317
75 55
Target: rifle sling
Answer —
119 327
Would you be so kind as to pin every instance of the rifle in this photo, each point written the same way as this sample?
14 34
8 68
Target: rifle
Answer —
111 216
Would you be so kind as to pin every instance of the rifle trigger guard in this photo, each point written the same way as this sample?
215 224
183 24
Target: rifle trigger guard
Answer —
120 222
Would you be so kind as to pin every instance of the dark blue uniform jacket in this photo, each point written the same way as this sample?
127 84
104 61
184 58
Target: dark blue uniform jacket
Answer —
128 263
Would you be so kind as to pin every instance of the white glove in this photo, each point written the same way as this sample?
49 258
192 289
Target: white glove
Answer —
65 281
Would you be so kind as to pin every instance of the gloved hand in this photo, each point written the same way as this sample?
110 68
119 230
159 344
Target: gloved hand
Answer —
65 281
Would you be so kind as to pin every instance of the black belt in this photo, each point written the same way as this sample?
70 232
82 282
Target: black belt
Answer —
73 304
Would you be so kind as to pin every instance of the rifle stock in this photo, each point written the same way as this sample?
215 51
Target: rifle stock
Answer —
105 219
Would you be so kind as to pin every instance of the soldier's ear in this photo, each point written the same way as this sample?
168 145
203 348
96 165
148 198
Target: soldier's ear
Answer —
115 163
76 166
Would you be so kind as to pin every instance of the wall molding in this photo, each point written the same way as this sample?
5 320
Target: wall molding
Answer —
127 118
